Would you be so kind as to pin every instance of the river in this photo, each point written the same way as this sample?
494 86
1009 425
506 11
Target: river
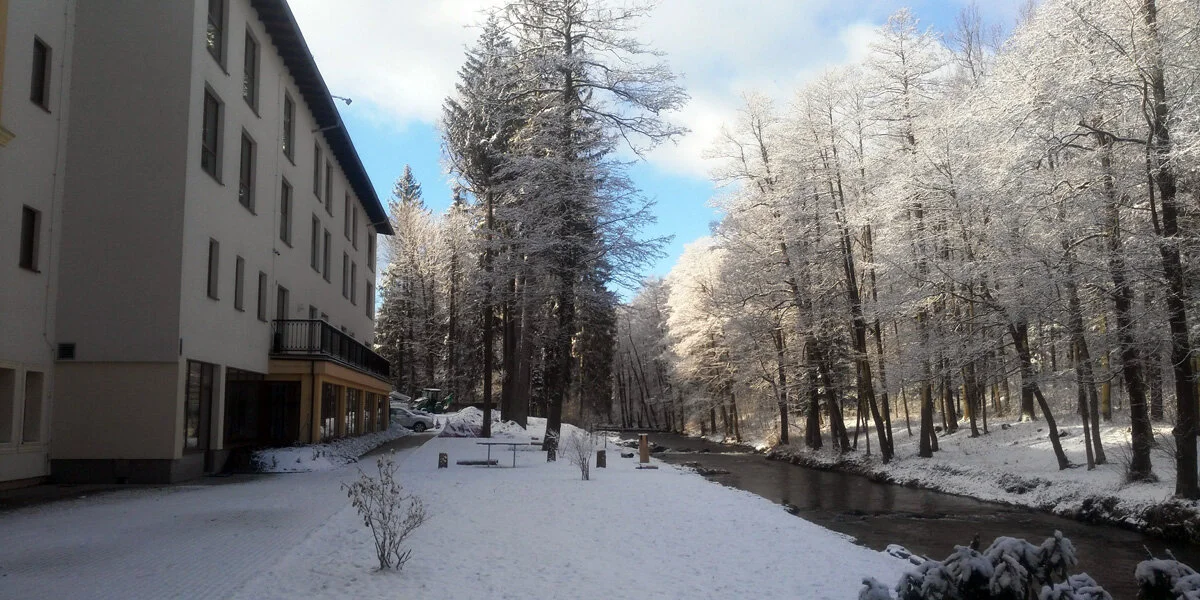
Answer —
926 522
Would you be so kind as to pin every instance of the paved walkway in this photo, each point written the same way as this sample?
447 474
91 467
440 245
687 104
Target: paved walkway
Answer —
184 541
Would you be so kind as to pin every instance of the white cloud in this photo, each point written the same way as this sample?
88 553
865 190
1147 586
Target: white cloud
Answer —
402 56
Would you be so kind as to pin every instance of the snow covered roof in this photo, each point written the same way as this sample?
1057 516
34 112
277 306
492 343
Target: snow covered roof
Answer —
281 25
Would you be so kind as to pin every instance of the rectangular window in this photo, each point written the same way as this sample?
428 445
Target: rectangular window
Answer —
239 284
39 85
8 403
262 296
250 72
317 169
329 394
354 229
371 249
31 234
353 284
289 127
282 298
325 262
346 215
31 429
210 138
285 213
246 173
214 258
328 188
197 405
370 301
345 275
313 313
352 411
216 30
315 255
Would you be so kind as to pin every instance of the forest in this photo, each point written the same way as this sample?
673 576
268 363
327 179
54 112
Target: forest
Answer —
995 221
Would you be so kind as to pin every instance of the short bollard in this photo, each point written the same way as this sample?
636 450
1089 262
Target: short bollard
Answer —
644 447
601 461
443 460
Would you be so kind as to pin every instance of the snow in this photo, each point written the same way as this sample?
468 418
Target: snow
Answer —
1014 466
530 532
325 456
539 531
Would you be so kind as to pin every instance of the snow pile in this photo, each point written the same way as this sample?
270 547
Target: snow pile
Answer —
324 456
538 531
468 423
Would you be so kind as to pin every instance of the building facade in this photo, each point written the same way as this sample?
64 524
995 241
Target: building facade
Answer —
35 51
217 264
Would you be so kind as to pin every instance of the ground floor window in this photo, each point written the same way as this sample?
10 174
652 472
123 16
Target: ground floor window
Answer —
369 412
329 394
31 430
244 406
8 403
353 398
198 405
383 413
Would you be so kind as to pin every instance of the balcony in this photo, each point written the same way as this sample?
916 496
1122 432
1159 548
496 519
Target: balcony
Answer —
309 338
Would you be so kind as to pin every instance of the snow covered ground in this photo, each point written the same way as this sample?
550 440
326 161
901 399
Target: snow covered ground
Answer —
1016 466
538 531
530 532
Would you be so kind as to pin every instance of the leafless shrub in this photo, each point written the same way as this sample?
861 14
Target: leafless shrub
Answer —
387 511
580 447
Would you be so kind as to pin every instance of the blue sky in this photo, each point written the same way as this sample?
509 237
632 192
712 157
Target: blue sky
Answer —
398 59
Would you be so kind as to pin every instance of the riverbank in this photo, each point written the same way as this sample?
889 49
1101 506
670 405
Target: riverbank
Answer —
1014 465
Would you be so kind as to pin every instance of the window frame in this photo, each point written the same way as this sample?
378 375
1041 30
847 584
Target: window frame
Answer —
370 250
345 275
31 239
250 70
40 74
354 227
285 211
317 169
346 214
370 300
217 49
263 282
247 171
205 390
289 128
327 256
216 126
214 269
239 284
328 187
283 299
353 283
315 253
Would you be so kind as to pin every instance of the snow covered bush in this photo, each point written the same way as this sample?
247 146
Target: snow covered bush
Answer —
387 511
1076 587
580 447
873 589
1010 569
1159 579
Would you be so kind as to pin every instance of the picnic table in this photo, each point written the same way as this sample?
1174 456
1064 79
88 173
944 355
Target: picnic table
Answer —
512 445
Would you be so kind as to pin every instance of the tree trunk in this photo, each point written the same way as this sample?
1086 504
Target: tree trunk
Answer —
1020 337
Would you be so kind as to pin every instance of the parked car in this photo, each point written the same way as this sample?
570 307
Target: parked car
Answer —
412 419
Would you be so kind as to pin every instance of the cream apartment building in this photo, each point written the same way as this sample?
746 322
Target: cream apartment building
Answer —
216 280
35 46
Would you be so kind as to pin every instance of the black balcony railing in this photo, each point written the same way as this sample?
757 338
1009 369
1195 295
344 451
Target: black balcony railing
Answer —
295 338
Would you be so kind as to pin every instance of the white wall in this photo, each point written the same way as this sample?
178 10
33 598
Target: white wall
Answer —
31 167
213 330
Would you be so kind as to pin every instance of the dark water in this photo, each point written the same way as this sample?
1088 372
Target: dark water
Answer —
926 522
